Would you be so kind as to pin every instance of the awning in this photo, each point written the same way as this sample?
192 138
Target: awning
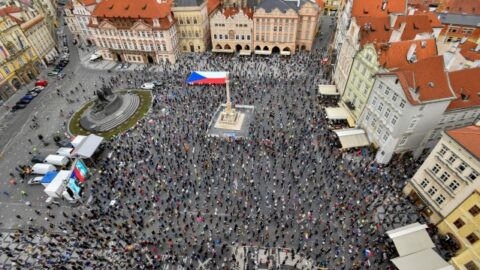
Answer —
263 52
426 259
336 113
65 151
223 50
285 53
245 52
328 90
88 146
352 137
411 238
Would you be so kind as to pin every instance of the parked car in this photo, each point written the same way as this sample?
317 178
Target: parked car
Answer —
32 93
18 106
64 143
53 72
148 86
24 101
37 89
29 97
35 180
43 83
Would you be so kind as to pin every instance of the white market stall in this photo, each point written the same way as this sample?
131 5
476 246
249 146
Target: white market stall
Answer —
57 185
87 146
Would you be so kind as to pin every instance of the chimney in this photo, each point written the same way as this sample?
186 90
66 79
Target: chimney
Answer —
384 5
393 19
424 43
411 54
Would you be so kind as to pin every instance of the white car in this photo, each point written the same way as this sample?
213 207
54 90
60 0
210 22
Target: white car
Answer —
148 86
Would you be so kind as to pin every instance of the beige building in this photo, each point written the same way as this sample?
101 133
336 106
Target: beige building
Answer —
135 31
449 175
232 30
192 24
284 26
40 38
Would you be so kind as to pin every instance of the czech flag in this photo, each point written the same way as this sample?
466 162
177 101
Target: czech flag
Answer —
207 77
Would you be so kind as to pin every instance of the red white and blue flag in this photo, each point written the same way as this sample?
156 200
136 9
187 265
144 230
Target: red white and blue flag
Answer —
207 77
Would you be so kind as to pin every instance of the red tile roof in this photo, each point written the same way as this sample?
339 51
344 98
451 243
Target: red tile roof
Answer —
422 5
212 5
460 6
374 29
87 2
427 77
230 12
394 55
468 137
375 7
416 24
466 88
9 10
141 9
432 17
29 24
468 50
321 3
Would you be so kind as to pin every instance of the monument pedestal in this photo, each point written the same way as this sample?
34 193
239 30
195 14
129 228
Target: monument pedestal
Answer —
232 120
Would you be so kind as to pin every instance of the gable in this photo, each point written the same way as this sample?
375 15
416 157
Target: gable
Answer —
140 25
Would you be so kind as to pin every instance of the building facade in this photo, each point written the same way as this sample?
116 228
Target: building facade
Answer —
232 31
129 31
192 25
464 110
449 175
462 225
373 58
40 38
284 26
71 21
82 11
458 26
404 106
19 63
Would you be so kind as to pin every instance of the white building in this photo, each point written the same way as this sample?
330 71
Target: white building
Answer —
405 105
464 110
82 11
449 175
135 32
232 30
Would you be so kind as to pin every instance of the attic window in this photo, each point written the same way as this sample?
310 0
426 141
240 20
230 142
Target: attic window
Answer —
126 8
144 7
431 84
465 97
110 7
365 12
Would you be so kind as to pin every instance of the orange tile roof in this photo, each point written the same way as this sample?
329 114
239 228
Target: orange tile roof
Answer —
460 6
374 29
466 88
394 55
230 12
467 49
428 77
8 10
475 36
141 9
87 2
422 5
69 4
416 24
321 3
432 17
29 24
212 5
468 137
374 7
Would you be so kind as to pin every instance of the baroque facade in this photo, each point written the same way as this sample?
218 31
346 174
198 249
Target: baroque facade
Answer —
192 24
231 30
129 31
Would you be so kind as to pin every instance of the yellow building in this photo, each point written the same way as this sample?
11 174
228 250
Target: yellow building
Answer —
192 24
463 226
19 63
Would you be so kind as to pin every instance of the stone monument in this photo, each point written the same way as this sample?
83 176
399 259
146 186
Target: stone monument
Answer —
109 110
229 118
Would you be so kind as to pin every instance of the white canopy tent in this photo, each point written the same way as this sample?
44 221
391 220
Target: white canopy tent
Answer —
426 259
78 140
415 248
336 113
88 146
328 90
352 137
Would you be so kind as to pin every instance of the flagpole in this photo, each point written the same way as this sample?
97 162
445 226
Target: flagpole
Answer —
228 110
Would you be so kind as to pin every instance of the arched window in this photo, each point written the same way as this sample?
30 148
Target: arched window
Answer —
194 20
